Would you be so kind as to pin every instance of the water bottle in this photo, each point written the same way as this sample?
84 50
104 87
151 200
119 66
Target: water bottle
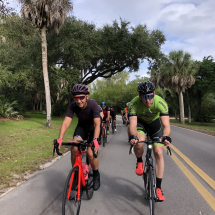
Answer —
85 168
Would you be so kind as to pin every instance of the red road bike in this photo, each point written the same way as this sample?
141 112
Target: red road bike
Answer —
80 178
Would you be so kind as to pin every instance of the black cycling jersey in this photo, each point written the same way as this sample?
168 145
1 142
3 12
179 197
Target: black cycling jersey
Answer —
112 112
86 116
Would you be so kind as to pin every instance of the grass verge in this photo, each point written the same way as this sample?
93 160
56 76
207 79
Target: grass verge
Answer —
203 127
26 144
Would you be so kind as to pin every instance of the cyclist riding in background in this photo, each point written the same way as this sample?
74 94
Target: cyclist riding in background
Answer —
127 118
106 112
126 112
123 112
113 116
87 112
149 112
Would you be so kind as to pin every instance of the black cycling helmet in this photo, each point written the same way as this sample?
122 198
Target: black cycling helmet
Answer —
123 106
80 89
146 87
111 106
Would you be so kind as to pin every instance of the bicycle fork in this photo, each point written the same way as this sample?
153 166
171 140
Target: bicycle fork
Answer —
147 179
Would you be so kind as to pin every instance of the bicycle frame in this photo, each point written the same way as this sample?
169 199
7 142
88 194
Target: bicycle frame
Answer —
81 180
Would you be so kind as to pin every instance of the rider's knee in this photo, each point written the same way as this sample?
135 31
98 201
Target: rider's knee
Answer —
158 153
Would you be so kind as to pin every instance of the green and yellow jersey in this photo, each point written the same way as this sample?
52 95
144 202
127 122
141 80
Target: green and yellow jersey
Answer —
148 114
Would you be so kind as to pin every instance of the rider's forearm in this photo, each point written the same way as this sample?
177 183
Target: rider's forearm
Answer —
133 130
108 115
63 129
96 129
166 130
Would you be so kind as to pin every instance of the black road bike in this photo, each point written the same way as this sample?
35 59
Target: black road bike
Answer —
149 176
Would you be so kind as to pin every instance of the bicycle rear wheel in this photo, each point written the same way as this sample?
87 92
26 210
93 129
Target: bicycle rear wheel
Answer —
89 182
103 134
71 205
151 191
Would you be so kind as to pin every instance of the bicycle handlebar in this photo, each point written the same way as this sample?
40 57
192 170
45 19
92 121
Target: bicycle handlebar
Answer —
150 142
81 146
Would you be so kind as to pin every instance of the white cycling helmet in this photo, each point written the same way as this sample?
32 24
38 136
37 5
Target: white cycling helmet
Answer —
127 104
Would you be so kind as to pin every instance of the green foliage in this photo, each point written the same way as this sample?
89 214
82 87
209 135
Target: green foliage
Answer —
7 109
106 51
59 109
203 116
115 90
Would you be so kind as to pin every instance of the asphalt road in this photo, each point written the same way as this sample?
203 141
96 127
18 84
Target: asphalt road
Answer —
188 183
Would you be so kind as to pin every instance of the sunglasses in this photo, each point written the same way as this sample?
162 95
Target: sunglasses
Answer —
79 97
147 96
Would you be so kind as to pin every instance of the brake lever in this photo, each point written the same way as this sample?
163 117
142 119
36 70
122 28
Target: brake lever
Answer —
56 145
130 151
169 152
93 147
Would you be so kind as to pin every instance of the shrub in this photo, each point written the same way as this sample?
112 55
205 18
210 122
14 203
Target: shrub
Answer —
7 109
59 109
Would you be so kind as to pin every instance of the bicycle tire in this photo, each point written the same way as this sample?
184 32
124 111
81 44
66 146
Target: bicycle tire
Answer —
71 205
112 127
103 134
151 192
89 182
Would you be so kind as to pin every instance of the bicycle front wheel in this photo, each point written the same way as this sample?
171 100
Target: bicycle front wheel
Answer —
151 191
89 182
70 204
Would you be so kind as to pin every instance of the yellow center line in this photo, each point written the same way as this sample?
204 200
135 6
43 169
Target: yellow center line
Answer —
201 189
209 180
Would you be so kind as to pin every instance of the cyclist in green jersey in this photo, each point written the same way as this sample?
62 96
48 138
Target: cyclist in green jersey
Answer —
149 113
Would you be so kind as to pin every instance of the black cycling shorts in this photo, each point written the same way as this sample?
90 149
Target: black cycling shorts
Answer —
155 129
113 117
84 132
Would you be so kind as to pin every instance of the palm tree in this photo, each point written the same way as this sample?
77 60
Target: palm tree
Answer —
46 15
157 72
179 75
158 79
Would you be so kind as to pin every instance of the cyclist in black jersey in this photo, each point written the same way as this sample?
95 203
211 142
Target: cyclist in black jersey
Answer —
123 112
113 116
149 113
88 115
106 112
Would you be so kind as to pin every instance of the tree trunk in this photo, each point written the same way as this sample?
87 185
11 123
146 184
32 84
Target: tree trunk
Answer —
33 106
163 93
41 104
189 109
181 106
176 115
46 77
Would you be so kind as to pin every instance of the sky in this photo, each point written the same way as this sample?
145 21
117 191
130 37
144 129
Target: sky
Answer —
187 25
